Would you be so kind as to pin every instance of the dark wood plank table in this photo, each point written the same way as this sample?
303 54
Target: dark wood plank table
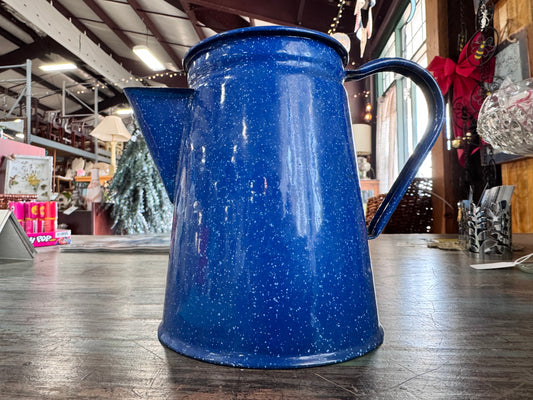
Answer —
83 326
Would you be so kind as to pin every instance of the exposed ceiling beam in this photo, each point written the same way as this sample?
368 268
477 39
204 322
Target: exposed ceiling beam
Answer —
36 79
49 20
36 49
55 48
132 66
109 22
12 38
153 28
14 95
212 17
7 15
185 6
43 82
219 21
39 49
281 12
82 27
63 52
314 15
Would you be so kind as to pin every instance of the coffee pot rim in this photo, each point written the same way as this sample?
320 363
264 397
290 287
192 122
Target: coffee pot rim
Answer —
265 31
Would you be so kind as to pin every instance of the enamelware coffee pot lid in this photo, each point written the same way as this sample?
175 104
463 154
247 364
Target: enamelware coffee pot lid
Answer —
216 40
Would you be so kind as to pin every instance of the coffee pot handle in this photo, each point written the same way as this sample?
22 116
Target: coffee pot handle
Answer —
436 109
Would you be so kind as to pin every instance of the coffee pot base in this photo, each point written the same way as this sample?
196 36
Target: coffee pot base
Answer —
264 361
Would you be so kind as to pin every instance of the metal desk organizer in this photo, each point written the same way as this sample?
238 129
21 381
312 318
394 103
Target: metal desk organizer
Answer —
485 230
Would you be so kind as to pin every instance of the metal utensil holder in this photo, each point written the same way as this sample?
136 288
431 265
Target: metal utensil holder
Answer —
485 232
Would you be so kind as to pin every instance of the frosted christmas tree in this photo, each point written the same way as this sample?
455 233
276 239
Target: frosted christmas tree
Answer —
141 204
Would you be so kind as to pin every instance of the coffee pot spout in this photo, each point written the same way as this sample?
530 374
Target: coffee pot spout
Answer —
163 115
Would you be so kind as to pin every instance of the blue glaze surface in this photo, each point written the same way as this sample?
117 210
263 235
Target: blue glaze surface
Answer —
163 116
269 264
436 112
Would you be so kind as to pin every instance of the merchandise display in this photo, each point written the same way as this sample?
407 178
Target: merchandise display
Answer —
21 174
58 237
95 193
39 221
139 208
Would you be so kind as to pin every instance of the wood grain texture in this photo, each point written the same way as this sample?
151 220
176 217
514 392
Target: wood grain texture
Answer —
520 174
445 167
510 16
83 326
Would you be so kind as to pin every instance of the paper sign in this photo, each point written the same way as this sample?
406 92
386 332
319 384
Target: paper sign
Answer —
494 265
70 210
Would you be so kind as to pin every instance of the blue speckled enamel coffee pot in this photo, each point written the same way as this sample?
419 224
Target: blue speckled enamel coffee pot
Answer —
269 262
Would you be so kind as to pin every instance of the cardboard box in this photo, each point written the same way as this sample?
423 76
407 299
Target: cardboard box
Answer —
61 236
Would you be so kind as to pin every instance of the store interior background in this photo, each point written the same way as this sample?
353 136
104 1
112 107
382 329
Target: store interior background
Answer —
64 107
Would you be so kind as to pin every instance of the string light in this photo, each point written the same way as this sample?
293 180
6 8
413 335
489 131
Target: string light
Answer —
364 93
334 25
92 86
125 81
368 112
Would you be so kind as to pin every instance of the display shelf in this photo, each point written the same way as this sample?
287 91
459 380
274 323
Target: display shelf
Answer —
87 178
97 156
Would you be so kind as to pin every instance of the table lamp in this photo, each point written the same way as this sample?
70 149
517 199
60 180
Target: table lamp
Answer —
362 139
111 129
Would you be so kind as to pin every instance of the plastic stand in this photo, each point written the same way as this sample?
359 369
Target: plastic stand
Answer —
14 243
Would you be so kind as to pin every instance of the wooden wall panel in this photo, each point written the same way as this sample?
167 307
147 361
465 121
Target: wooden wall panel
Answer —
510 16
520 174
445 165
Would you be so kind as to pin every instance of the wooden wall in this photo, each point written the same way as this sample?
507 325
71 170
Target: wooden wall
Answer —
520 174
445 165
511 16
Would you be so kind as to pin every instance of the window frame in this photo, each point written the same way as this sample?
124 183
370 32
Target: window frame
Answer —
406 92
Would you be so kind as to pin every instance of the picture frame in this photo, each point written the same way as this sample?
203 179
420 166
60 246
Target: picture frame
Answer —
27 175
512 60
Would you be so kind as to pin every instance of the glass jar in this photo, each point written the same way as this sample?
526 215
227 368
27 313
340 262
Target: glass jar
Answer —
506 118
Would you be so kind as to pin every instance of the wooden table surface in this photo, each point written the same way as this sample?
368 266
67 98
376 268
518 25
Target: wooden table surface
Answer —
83 326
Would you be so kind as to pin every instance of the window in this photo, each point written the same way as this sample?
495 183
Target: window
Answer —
408 40
389 51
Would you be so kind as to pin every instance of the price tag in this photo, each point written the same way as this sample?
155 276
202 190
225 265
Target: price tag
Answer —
70 210
494 265
504 264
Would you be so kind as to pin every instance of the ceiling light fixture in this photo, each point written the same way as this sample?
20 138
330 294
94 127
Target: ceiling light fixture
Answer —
148 58
124 111
58 67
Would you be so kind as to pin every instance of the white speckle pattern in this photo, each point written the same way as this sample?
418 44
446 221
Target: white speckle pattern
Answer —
269 265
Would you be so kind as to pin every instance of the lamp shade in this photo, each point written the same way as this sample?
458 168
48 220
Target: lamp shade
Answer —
111 129
362 138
